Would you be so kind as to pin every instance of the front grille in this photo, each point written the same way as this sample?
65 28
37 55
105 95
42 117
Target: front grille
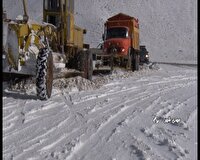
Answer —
114 49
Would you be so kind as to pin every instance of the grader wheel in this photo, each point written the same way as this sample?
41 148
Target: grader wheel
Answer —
44 74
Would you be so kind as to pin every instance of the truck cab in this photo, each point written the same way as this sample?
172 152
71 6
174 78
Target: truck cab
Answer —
117 39
121 42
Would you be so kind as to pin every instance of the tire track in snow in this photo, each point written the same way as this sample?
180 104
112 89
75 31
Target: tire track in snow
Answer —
41 142
177 149
115 93
79 113
116 115
93 97
169 148
16 117
28 127
7 115
165 89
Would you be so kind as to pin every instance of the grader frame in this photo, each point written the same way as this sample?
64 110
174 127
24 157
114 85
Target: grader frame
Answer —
28 46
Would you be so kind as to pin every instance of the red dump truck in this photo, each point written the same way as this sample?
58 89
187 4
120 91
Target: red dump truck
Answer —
120 45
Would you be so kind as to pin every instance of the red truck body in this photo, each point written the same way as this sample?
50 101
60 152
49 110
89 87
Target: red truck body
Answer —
113 35
121 43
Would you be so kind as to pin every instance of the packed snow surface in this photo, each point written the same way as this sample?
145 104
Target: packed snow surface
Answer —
149 114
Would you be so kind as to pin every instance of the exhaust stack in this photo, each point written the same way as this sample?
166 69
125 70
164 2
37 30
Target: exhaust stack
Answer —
25 16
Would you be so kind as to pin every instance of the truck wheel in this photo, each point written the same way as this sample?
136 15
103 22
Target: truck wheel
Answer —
44 74
90 65
135 61
85 64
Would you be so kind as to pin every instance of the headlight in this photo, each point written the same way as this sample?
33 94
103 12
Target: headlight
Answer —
147 56
123 50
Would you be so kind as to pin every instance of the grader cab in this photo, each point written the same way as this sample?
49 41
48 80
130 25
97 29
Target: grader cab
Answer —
70 37
60 13
28 46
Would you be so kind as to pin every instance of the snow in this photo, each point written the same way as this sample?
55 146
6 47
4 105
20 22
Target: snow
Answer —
168 28
111 120
150 114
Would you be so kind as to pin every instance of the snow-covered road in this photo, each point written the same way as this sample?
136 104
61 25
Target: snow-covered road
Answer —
150 114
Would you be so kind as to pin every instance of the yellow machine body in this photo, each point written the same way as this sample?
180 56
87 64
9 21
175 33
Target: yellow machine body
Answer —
25 36
60 13
20 36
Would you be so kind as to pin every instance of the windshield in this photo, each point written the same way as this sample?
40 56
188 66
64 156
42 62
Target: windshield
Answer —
52 5
117 32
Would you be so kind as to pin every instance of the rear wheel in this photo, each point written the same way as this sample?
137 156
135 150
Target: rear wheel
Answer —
86 65
135 61
44 74
90 65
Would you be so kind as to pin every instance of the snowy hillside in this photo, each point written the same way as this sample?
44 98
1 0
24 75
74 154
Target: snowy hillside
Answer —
167 27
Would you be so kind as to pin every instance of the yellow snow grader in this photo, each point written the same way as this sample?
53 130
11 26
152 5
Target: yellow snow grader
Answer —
28 45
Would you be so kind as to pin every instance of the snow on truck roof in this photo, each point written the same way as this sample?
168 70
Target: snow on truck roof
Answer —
122 16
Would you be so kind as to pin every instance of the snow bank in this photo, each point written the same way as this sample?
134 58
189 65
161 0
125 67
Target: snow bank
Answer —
74 84
77 83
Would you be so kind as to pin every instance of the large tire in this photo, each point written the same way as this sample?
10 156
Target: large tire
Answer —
44 74
135 61
90 65
85 64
